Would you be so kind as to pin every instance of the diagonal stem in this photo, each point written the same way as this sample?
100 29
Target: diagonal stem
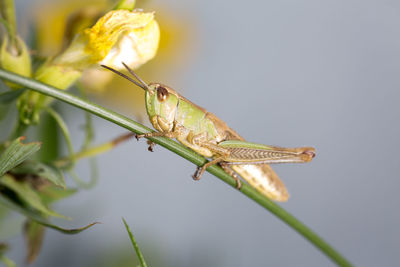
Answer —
184 152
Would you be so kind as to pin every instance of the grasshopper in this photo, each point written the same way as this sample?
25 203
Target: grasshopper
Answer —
174 116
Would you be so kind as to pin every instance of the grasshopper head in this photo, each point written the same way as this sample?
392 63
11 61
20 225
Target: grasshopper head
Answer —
161 101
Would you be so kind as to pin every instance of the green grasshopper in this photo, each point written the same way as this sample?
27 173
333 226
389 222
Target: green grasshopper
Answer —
173 116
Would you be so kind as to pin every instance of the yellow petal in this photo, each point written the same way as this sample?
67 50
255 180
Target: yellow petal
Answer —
134 48
106 32
131 36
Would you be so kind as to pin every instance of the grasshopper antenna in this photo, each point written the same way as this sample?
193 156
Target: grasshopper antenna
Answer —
136 76
141 85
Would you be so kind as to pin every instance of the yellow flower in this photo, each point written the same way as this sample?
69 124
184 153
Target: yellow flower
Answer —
119 35
178 45
136 47
131 36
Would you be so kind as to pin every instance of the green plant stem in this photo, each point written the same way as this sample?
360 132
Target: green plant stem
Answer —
185 153
89 152
18 130
7 8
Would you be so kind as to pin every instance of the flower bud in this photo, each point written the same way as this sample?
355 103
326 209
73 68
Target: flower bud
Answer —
15 58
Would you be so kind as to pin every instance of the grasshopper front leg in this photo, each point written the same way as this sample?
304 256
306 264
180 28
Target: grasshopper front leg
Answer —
151 144
164 128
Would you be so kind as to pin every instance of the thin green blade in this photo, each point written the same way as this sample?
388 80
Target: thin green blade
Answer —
135 245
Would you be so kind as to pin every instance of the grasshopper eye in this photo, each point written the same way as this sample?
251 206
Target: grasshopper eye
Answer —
162 94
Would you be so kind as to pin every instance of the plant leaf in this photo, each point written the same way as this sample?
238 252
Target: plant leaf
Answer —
16 153
34 233
48 134
135 245
38 217
9 96
64 129
51 194
42 170
27 194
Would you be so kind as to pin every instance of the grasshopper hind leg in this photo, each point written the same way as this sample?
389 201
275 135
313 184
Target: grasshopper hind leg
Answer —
232 173
200 170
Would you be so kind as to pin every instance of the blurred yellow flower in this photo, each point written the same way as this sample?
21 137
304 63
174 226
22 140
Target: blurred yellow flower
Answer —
131 36
120 34
177 46
57 22
136 47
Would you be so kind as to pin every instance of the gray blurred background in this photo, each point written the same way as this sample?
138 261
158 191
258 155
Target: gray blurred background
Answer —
287 73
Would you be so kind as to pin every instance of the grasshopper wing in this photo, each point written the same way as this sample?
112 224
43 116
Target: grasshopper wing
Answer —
264 179
261 176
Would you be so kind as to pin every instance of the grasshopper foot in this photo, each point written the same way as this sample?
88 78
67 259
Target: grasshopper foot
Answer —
238 183
233 174
151 146
198 173
138 136
200 170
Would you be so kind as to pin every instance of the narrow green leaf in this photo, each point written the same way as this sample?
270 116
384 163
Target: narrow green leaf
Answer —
135 245
33 233
16 153
48 134
27 194
18 130
9 96
39 218
64 129
50 194
42 170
